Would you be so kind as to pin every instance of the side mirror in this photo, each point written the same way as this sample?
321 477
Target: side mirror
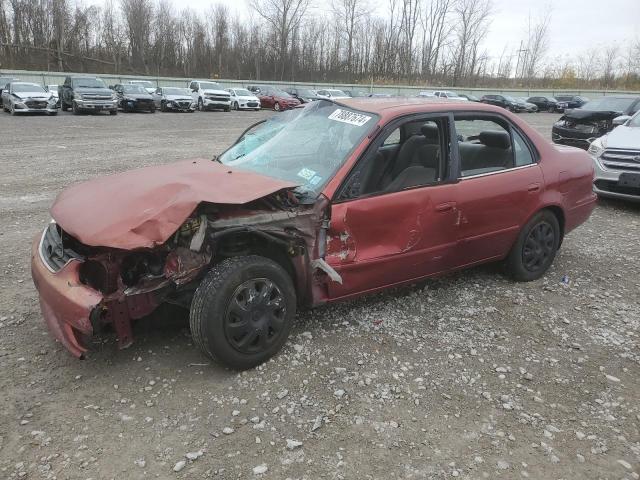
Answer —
621 120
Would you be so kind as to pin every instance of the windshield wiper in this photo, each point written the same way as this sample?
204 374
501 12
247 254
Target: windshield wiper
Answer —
216 158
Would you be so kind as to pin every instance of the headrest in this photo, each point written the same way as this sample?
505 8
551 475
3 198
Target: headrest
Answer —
430 131
495 139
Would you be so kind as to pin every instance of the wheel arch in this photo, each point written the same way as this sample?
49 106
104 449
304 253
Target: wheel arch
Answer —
560 216
285 253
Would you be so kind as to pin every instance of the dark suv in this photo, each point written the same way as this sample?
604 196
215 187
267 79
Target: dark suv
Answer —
87 94
544 104
503 101
570 101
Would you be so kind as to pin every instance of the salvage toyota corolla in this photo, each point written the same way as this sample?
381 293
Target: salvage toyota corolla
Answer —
316 205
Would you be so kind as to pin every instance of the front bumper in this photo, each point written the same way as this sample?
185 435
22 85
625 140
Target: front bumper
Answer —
606 184
137 106
97 105
248 105
67 305
571 137
22 107
180 108
209 103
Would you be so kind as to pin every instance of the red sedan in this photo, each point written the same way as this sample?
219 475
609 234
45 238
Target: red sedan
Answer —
274 98
316 205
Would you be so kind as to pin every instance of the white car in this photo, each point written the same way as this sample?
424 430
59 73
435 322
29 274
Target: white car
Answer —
425 94
53 90
449 95
243 99
146 84
23 97
333 94
210 95
616 158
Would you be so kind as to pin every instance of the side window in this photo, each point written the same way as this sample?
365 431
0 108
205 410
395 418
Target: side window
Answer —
417 157
484 146
523 154
393 138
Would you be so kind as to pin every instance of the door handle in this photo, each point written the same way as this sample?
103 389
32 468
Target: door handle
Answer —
445 207
534 187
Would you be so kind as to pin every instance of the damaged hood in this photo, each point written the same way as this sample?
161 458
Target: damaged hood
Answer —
142 208
578 114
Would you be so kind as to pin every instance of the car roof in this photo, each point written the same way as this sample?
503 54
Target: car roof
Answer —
395 106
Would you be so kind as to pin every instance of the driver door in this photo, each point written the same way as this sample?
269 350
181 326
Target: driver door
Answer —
406 230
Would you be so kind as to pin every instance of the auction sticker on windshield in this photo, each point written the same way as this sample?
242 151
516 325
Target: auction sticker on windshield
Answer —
352 118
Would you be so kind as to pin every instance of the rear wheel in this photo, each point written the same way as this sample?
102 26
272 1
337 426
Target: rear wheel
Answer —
536 247
243 310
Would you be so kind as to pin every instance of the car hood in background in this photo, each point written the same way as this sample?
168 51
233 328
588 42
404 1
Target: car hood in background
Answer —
216 92
138 96
93 91
246 98
624 137
178 98
142 208
39 95
590 115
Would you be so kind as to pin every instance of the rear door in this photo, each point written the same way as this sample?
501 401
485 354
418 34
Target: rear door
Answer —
499 187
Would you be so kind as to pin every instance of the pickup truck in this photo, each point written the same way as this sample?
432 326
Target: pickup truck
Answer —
87 94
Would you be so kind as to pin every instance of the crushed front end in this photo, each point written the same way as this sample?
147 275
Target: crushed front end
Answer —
82 288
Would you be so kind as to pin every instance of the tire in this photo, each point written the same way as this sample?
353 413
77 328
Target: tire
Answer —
153 108
63 106
113 112
227 109
236 106
200 105
551 110
74 108
213 320
163 106
12 110
536 247
276 107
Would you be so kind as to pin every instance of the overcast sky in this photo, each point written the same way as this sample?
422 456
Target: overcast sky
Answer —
575 25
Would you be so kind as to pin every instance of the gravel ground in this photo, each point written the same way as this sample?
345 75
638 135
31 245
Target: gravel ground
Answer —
469 376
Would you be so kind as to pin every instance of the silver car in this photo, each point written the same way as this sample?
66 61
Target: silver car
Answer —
616 157
23 97
174 99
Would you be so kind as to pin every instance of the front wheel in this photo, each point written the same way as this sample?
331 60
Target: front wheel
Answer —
536 247
276 107
243 310
200 105
236 106
113 112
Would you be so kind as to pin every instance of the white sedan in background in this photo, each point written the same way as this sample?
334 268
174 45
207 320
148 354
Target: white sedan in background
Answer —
243 99
332 94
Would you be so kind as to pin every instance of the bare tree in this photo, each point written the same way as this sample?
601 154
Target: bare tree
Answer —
283 16
138 15
536 43
472 21
435 14
349 14
609 60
